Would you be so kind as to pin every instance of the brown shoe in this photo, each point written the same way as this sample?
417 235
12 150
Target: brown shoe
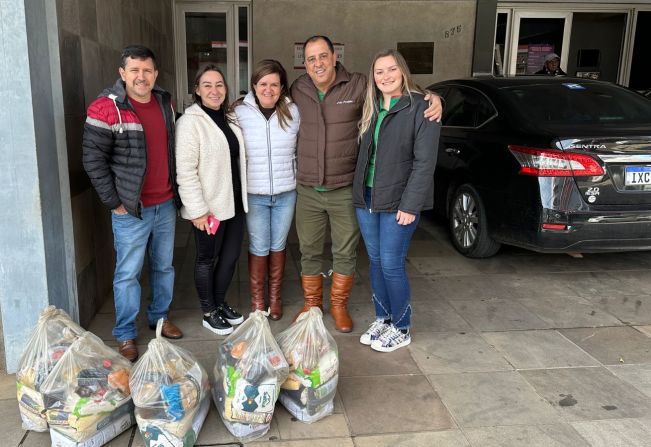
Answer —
276 272
169 330
312 293
339 294
257 275
128 350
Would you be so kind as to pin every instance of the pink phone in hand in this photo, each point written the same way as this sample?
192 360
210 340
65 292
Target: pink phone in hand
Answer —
213 224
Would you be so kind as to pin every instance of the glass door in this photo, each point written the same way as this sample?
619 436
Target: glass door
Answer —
211 33
537 34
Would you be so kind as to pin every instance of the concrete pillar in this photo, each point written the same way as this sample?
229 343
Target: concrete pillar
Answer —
482 60
36 242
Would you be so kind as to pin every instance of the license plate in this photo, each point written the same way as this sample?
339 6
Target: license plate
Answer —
637 175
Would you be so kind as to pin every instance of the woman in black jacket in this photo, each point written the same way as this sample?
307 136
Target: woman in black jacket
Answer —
393 184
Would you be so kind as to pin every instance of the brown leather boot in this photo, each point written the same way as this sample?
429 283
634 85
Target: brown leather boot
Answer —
257 279
339 293
276 272
312 293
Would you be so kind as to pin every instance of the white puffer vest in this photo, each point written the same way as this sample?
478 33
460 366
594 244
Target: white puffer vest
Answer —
270 149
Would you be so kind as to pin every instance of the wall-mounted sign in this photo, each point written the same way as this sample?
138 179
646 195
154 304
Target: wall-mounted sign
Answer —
418 55
299 58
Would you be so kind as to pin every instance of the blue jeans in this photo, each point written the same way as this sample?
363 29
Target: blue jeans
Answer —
268 221
154 233
387 244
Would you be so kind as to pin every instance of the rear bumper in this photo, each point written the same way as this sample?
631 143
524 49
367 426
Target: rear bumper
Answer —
592 233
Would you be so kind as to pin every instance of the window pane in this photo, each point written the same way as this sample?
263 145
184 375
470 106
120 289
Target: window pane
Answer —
205 42
500 42
538 38
243 48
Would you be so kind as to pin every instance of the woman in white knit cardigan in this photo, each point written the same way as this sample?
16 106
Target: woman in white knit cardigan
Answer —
211 174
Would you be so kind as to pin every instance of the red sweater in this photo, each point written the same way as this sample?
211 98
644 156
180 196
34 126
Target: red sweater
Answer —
156 188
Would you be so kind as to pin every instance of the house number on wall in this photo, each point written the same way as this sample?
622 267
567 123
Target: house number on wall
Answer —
452 31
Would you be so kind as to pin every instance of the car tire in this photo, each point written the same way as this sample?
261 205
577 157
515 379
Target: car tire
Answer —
468 225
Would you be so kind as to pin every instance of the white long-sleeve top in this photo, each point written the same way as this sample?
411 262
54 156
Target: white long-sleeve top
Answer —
270 149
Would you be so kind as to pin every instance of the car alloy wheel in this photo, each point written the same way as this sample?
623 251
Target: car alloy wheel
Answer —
464 220
468 224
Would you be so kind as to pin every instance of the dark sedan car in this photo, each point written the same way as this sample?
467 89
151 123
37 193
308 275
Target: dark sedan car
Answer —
548 164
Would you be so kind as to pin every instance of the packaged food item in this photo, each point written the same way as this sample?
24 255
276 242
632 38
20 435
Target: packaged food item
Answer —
170 390
54 333
249 370
88 384
309 391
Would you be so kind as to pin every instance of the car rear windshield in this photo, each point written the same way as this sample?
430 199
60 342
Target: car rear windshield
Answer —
576 104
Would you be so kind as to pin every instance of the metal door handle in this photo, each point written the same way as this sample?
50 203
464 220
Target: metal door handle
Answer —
453 151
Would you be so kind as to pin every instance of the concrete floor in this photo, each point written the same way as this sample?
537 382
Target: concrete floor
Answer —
520 349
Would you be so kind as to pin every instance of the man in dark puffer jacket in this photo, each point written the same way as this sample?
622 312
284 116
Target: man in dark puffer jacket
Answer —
128 153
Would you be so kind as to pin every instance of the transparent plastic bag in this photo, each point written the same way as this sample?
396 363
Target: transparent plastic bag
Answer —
249 370
309 391
169 388
54 333
88 384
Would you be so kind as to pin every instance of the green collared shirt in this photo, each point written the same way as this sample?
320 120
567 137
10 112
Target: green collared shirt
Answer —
370 173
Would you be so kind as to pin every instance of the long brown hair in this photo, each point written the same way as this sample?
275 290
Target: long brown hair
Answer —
272 66
371 106
225 107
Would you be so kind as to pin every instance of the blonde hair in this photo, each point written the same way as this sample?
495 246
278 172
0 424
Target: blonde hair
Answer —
371 106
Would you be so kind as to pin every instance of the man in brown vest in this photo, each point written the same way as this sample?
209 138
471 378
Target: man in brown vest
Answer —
330 101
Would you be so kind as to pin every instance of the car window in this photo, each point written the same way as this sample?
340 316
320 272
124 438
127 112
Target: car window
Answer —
465 107
579 104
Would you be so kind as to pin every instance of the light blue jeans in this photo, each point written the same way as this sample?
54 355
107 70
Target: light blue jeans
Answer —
268 221
387 243
132 237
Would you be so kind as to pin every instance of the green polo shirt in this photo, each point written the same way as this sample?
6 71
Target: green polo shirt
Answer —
370 173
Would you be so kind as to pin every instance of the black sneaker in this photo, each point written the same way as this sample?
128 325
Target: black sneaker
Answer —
229 314
216 323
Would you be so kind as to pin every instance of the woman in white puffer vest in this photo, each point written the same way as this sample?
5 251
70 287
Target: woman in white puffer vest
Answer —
269 123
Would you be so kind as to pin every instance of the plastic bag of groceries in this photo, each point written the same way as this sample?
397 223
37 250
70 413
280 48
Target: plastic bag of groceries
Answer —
312 354
87 389
249 370
54 333
170 391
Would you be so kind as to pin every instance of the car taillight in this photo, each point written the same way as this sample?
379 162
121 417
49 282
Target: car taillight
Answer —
554 163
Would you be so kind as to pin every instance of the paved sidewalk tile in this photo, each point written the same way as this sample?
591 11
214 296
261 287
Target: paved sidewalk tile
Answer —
357 359
12 431
392 404
588 393
330 442
449 438
436 315
637 375
450 352
612 345
558 435
644 329
289 428
492 398
616 433
497 315
630 309
538 349
569 312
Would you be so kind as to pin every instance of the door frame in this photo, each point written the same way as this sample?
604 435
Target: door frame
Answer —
531 14
232 43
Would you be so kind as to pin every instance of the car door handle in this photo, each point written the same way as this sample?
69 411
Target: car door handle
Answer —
452 151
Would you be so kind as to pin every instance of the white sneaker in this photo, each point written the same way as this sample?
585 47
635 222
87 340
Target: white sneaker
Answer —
391 339
373 332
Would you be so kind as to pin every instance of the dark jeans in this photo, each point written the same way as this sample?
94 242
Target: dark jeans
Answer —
216 260
387 243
